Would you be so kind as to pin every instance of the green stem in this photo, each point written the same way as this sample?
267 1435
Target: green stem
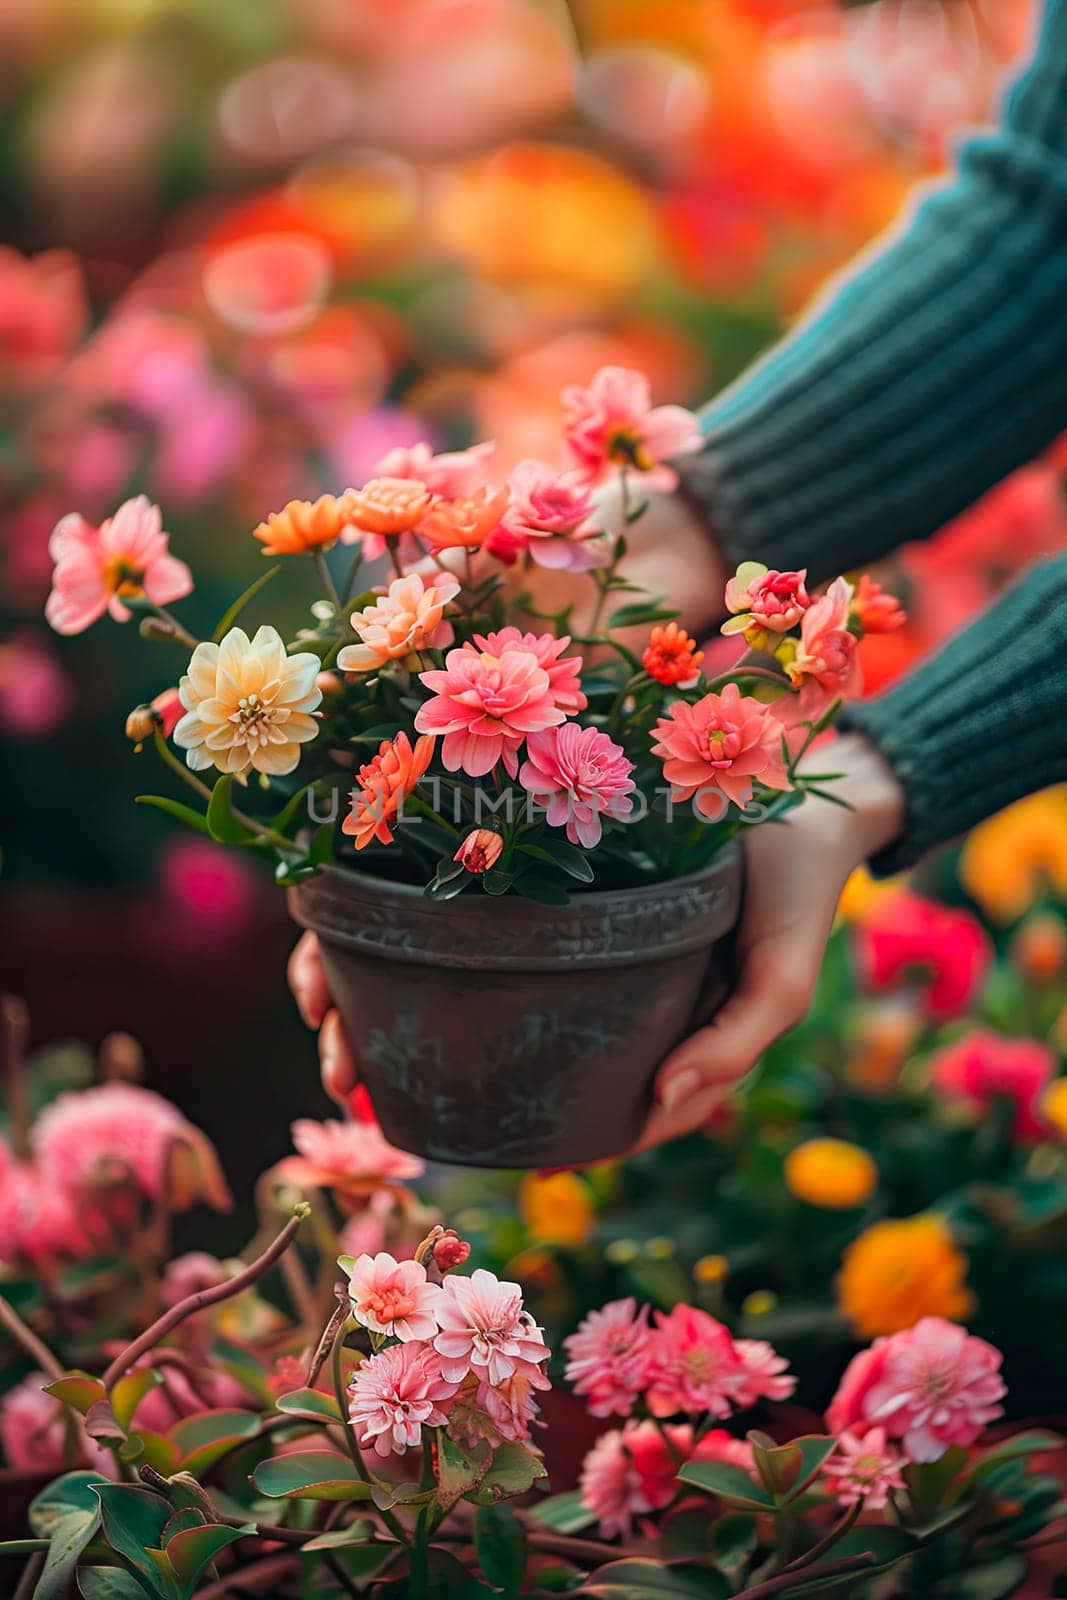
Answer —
326 579
181 633
828 1540
278 840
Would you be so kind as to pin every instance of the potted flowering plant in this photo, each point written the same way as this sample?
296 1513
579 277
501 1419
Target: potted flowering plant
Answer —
577 767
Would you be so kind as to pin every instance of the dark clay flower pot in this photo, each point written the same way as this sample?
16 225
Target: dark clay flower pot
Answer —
500 1033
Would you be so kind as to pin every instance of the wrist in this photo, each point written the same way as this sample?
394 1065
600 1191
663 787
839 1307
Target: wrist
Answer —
869 787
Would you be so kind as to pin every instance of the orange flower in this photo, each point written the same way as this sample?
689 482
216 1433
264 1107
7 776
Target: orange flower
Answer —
557 1209
382 787
1006 861
464 524
303 525
899 1271
387 506
671 656
831 1173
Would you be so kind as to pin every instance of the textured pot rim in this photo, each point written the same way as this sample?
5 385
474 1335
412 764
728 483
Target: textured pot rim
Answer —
608 927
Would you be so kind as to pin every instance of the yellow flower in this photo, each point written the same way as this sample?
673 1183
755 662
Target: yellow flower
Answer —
831 1173
1054 1106
557 1209
860 893
1006 860
248 705
899 1271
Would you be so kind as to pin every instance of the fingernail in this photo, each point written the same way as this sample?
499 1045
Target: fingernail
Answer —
679 1088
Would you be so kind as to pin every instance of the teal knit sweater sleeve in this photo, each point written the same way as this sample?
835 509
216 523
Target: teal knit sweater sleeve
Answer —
928 372
981 723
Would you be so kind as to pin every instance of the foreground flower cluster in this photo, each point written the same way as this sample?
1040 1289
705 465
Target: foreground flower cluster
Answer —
509 742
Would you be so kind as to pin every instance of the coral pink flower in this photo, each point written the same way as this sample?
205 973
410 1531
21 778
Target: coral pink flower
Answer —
484 1329
126 557
826 664
875 609
762 597
480 850
932 1386
390 1296
864 1469
450 1251
764 1373
464 524
721 744
984 1067
485 705
455 474
119 1132
408 617
351 1157
612 423
693 1364
904 933
608 1357
384 784
395 1394
564 672
579 775
549 514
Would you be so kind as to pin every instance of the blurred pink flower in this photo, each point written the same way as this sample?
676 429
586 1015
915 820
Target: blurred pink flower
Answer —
876 610
96 568
693 1364
764 1374
550 514
983 1067
579 775
765 598
210 896
394 1394
456 474
392 1297
826 657
608 1357
485 705
628 1473
612 423
484 1329
35 1435
718 1445
722 743
188 1274
903 933
407 618
564 672
352 1157
864 1469
40 1223
35 693
932 1386
42 313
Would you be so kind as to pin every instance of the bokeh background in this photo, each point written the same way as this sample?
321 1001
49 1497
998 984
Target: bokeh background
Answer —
248 248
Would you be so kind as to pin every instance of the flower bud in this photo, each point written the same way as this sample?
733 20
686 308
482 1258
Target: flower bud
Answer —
140 725
480 850
450 1250
164 713
1039 949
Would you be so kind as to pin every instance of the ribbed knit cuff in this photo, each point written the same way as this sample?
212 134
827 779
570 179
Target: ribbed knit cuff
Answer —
981 723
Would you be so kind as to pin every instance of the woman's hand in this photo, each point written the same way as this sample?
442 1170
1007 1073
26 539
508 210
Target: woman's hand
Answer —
307 980
794 873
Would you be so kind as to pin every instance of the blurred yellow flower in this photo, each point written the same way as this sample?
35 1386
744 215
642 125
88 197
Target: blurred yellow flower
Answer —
831 1173
898 1271
860 893
1054 1106
557 1209
710 1269
1007 860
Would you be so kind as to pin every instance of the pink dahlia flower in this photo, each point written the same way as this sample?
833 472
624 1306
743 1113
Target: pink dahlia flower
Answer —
827 665
904 933
612 423
549 514
765 598
984 1067
718 747
564 672
486 705
390 1296
578 775
355 1158
119 1132
511 1406
864 1468
932 1386
126 557
693 1364
396 1393
764 1373
484 1329
456 474
608 1357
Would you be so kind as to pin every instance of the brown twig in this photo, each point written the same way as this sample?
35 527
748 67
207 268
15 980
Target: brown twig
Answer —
14 1035
30 1574
792 1580
828 1540
25 1337
202 1298
250 1580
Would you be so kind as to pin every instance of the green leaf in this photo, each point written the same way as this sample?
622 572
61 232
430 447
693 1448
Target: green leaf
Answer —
71 1534
223 826
130 1390
388 1495
514 1470
311 1475
639 1579
458 1472
1034 1442
203 1438
815 1449
546 892
174 808
77 1389
566 1513
72 1492
730 1483
638 615
500 1544
311 1403
133 1520
108 1583
561 853
993 1581
228 618
194 1549
929 1483
496 882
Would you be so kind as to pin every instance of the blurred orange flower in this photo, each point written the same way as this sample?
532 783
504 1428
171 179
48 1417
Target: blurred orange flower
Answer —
303 525
387 506
1008 860
831 1173
900 1270
557 1209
